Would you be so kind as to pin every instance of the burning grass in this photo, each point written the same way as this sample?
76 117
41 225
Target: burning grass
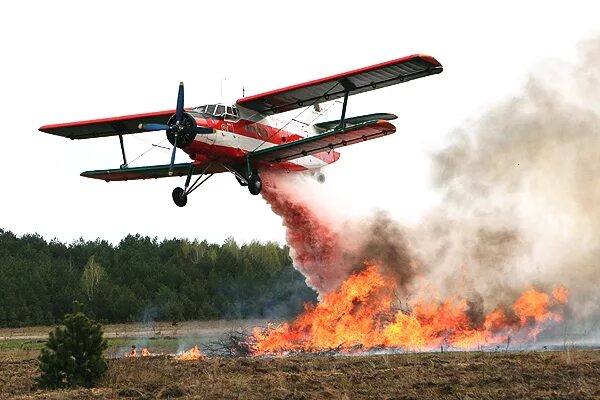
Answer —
474 375
361 316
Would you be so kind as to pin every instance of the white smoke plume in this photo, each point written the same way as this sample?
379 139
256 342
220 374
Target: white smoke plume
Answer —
522 193
521 206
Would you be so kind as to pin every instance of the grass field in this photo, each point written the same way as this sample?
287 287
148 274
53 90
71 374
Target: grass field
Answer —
573 374
569 374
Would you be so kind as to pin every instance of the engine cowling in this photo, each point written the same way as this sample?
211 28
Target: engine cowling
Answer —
185 136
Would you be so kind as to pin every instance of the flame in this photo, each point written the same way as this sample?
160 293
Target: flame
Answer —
560 294
192 354
133 353
534 305
361 316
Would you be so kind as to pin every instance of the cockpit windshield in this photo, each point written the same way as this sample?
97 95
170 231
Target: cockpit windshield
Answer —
219 111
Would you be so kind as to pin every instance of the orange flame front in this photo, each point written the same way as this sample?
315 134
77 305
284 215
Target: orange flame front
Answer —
361 316
192 354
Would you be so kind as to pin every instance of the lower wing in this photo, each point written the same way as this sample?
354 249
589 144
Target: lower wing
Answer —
327 141
151 172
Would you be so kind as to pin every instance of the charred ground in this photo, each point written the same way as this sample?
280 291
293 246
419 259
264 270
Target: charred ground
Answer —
572 374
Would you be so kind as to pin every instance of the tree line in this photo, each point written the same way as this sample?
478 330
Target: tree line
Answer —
144 279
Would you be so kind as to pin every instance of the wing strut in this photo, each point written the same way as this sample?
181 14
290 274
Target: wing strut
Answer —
124 165
348 87
343 119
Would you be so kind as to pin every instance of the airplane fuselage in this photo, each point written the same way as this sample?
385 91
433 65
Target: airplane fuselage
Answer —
235 135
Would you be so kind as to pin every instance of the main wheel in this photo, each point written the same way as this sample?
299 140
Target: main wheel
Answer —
255 184
179 197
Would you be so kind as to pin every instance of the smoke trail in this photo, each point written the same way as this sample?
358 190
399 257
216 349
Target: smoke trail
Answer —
312 242
327 249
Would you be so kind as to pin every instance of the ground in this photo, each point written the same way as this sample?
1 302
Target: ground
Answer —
567 374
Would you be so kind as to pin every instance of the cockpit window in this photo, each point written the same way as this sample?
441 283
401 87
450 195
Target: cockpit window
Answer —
219 111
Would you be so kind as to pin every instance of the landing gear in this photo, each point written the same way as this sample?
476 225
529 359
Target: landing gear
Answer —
254 183
241 181
179 197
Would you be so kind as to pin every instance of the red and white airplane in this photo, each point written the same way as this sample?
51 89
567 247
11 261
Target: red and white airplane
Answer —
245 138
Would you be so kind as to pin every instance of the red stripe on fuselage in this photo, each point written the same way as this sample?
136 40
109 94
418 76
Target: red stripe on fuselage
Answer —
232 156
250 129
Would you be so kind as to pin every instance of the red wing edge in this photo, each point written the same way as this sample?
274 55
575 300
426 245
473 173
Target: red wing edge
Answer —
334 87
107 126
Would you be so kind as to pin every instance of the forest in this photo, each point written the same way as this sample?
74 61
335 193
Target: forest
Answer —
144 279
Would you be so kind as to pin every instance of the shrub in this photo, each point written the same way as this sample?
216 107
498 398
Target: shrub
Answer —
73 355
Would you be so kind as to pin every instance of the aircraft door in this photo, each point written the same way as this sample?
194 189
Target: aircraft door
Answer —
228 134
211 138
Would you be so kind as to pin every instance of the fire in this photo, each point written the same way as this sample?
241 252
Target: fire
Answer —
560 294
192 354
361 315
533 305
133 352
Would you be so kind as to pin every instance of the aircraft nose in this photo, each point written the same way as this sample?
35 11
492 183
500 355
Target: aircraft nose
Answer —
203 126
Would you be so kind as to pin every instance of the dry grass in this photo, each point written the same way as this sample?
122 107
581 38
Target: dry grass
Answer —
539 375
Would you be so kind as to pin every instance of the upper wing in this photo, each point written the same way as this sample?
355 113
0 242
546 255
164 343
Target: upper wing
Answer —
107 126
333 87
324 142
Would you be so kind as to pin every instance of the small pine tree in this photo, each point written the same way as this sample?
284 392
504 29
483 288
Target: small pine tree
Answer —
73 355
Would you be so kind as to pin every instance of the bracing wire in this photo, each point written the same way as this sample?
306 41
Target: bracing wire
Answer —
153 146
296 116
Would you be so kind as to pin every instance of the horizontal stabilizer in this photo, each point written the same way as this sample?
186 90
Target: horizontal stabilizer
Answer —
356 120
324 142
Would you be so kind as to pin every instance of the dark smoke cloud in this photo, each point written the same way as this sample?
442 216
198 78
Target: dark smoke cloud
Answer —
381 240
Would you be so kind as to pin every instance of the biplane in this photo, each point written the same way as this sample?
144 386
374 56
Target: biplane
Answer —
247 138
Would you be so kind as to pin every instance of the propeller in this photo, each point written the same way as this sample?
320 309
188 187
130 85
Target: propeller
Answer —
173 128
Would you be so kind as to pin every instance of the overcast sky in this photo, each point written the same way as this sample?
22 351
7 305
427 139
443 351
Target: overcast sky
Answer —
70 61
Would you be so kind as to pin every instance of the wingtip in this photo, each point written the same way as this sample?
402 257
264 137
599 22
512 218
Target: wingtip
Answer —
45 128
429 59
